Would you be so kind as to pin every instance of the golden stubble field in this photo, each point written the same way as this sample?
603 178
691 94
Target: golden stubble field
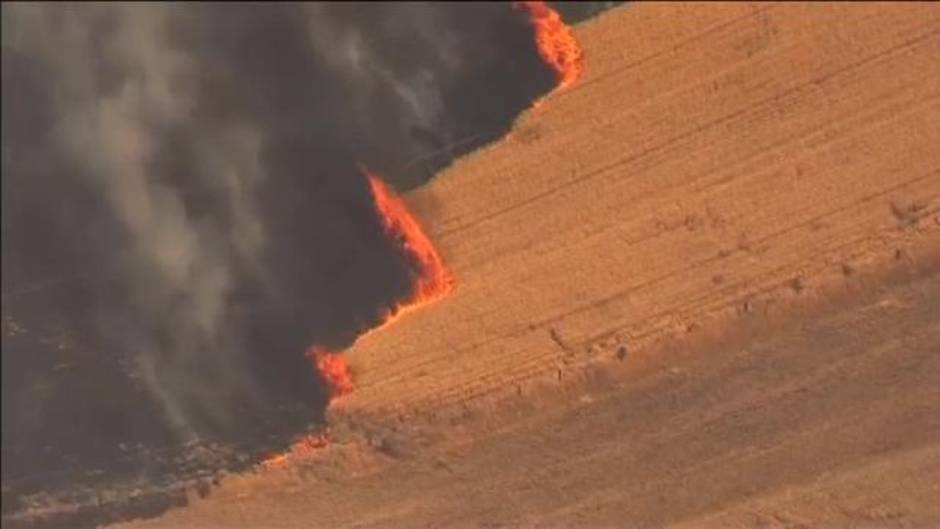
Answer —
700 288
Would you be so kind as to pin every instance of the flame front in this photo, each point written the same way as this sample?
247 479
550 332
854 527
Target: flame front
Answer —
303 447
432 280
555 41
333 369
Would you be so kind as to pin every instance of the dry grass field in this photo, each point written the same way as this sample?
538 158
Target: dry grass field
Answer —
699 288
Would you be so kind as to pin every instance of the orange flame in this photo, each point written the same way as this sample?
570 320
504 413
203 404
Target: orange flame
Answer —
333 370
432 280
555 41
305 446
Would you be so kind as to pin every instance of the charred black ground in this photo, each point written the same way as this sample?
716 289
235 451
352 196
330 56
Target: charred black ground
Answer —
183 215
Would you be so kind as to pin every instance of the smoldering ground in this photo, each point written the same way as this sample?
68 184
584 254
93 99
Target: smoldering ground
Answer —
183 214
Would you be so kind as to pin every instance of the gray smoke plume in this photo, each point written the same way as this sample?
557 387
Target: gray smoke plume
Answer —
182 211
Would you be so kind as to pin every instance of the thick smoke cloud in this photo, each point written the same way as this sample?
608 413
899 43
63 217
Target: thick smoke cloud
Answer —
182 213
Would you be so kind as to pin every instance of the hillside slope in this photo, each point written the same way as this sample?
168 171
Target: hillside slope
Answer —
700 287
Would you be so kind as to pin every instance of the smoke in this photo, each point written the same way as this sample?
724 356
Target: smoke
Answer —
182 205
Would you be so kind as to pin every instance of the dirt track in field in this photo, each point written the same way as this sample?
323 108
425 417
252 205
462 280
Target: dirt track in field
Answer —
699 289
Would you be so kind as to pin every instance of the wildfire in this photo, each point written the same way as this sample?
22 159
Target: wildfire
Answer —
432 280
302 447
559 49
555 41
333 370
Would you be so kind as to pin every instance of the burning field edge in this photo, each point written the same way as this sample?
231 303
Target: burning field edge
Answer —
560 50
